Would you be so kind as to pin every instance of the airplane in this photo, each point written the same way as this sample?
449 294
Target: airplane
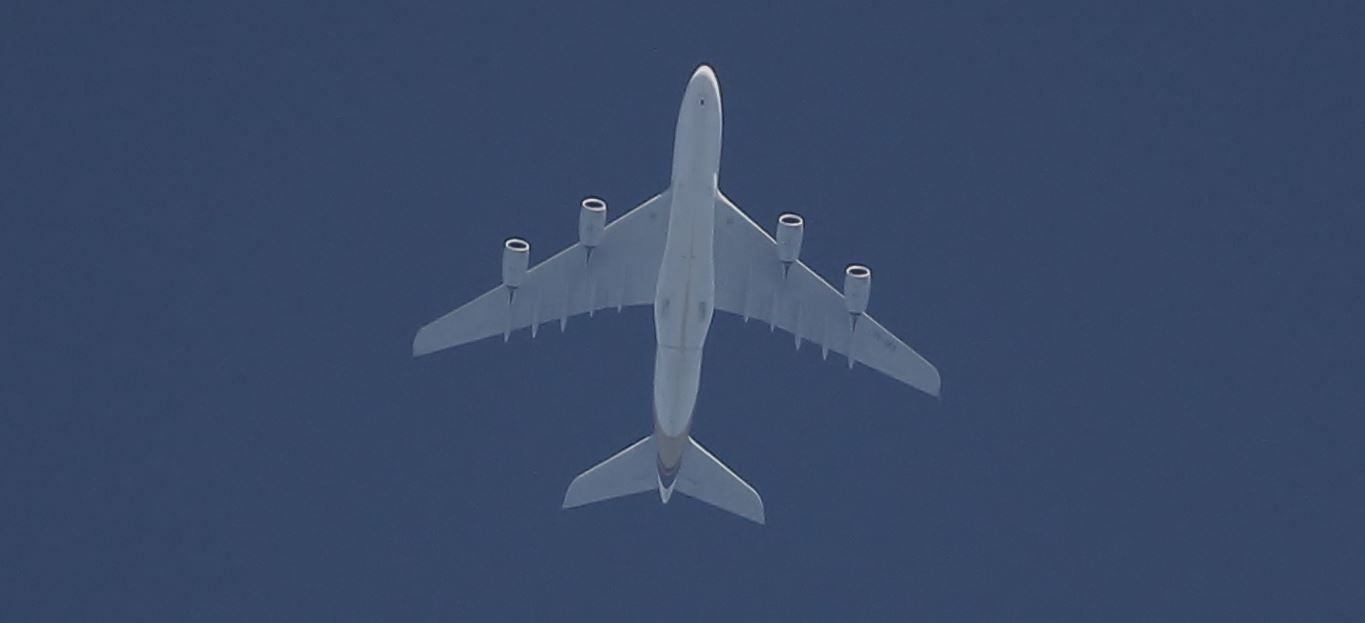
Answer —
688 251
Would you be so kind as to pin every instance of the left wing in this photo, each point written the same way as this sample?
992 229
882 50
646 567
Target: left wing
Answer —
621 271
751 282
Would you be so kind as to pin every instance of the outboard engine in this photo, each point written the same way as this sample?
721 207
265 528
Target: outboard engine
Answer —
857 288
790 227
592 219
516 254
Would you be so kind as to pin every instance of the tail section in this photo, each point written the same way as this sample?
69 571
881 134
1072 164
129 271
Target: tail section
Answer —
637 469
629 471
705 478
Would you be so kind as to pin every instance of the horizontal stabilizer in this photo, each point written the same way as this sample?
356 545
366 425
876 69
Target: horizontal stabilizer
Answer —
629 471
705 478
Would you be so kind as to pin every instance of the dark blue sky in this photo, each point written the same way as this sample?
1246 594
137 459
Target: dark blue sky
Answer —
1127 234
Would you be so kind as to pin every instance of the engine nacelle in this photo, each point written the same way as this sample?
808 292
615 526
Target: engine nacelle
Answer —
790 227
592 219
857 288
516 254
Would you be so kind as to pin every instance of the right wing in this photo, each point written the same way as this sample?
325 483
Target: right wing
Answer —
750 282
623 270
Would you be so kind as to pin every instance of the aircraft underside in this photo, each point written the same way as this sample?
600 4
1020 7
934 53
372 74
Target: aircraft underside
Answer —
687 252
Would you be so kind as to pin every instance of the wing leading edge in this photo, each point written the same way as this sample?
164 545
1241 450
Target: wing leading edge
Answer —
752 283
620 272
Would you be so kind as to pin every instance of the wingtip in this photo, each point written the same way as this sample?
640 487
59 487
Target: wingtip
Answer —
758 515
935 385
570 501
931 387
423 344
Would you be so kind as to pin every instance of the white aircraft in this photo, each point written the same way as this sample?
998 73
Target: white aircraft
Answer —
688 251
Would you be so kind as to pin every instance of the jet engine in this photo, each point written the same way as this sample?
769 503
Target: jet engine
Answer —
592 219
857 288
516 254
789 229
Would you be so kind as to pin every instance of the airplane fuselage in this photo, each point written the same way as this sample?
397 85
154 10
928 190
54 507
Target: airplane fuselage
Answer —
684 301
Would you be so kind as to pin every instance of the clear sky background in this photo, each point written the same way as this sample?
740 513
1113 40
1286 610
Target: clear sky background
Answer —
1126 233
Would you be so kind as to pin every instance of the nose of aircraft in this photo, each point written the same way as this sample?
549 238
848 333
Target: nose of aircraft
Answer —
704 83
